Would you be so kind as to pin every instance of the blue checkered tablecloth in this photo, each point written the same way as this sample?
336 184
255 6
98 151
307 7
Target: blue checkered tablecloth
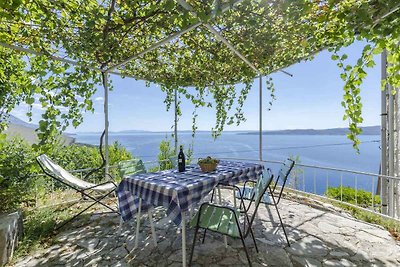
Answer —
177 191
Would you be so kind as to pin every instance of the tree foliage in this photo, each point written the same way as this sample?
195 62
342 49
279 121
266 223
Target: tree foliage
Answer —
167 156
99 34
19 180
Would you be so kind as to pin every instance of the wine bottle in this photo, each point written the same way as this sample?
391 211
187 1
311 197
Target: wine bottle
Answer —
181 160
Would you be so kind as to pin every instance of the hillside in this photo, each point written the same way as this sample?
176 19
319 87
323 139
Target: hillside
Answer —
27 131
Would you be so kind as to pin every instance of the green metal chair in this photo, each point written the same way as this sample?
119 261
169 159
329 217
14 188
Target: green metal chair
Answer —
225 219
268 198
131 167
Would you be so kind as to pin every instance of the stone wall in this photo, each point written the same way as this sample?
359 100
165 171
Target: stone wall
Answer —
10 232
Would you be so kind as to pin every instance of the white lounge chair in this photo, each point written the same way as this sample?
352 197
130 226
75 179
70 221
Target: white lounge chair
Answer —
58 173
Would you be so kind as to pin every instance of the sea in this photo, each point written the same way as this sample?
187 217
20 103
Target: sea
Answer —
334 151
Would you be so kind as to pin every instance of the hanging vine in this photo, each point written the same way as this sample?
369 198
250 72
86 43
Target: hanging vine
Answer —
271 88
270 34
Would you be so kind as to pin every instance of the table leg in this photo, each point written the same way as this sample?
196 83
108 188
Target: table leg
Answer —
121 221
191 213
183 240
153 231
138 224
220 202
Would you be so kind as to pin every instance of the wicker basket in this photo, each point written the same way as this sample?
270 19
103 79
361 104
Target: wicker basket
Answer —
208 167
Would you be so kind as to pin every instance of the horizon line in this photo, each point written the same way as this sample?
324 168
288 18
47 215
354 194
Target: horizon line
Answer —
247 130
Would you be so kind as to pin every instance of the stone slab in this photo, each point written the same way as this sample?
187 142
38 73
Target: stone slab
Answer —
10 232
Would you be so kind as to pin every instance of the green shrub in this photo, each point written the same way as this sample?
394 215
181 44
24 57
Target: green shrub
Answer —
19 180
364 198
38 226
76 157
167 156
17 167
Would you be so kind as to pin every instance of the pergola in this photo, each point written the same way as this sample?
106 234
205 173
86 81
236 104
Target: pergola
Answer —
213 43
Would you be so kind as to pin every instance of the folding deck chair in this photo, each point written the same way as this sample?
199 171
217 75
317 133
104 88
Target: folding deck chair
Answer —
86 189
225 219
247 192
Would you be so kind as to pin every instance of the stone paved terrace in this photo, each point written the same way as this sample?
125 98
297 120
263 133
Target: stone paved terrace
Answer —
319 236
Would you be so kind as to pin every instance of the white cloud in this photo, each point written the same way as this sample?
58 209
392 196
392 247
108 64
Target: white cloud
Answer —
99 99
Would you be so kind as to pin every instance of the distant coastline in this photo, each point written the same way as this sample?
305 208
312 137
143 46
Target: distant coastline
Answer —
18 126
368 130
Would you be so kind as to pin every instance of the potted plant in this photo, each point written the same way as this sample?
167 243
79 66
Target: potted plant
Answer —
208 164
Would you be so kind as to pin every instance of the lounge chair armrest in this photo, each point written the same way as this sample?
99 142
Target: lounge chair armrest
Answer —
97 185
112 178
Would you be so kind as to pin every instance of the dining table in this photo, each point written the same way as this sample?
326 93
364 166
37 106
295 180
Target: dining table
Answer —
178 191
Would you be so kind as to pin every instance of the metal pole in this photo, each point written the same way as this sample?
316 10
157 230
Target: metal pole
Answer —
396 184
61 59
260 120
384 163
176 121
391 149
106 123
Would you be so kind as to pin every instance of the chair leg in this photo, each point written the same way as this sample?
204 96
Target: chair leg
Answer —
242 238
82 211
220 202
251 232
204 236
254 240
245 250
205 230
194 243
283 227
98 201
279 215
73 218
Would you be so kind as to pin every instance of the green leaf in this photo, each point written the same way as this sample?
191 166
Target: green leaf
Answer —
334 57
30 100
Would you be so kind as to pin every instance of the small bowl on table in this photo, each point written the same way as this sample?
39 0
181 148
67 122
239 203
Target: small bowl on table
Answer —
208 164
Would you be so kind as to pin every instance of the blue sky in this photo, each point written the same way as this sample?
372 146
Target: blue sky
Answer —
309 99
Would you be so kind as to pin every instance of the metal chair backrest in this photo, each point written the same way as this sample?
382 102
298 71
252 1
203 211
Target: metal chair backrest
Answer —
262 183
283 176
131 167
261 187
